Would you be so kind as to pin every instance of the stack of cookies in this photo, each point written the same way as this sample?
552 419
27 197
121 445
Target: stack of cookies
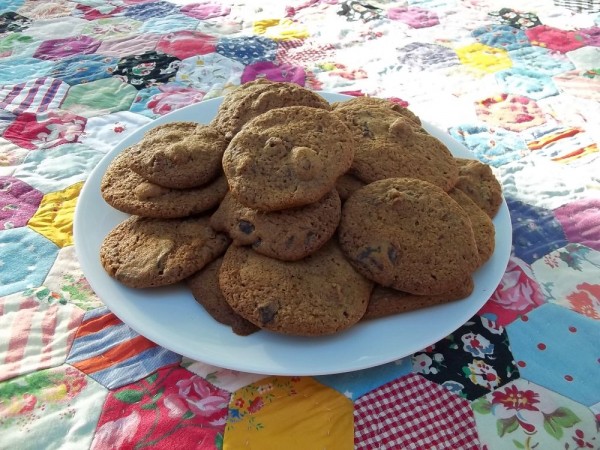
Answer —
289 214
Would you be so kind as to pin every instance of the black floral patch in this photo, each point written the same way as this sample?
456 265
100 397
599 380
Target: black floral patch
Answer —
13 22
471 362
148 69
355 10
516 19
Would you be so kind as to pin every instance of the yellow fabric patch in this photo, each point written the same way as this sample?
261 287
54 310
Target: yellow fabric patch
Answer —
272 414
280 29
54 217
484 58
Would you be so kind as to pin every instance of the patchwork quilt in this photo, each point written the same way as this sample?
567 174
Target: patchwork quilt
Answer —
517 83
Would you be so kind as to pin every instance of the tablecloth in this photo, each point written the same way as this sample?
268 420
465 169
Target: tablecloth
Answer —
518 83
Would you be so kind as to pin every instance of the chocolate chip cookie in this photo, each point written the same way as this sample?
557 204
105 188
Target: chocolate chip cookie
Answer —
287 234
409 235
142 252
390 145
127 191
367 102
287 157
388 302
319 295
206 291
178 155
256 97
477 180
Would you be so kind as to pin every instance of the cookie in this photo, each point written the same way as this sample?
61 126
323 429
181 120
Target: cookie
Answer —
409 235
178 155
347 184
256 97
319 295
388 302
483 227
389 145
288 234
206 291
142 252
127 191
477 180
287 157
367 102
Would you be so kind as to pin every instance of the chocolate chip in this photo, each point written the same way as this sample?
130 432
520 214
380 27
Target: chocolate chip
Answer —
393 254
246 227
267 312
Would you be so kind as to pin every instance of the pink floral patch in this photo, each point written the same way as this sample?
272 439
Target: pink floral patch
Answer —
172 98
191 411
184 44
56 49
516 295
46 130
580 221
414 17
559 40
205 10
511 112
18 202
274 72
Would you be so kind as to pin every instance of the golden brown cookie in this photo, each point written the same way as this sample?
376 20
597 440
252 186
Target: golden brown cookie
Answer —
142 252
347 184
287 234
408 234
483 227
287 157
367 102
319 295
206 291
389 145
178 155
477 180
388 302
127 191
256 97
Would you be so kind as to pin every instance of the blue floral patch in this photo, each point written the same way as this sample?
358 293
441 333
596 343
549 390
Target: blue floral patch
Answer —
536 231
146 11
248 49
84 69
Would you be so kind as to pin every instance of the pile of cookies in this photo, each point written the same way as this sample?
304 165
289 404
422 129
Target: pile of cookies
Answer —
290 214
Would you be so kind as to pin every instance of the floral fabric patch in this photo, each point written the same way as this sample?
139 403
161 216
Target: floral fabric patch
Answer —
517 19
581 222
516 295
470 362
247 49
68 401
56 49
148 69
12 22
525 415
501 36
171 408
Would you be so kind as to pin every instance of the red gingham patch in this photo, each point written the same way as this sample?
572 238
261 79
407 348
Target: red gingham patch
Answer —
298 51
413 413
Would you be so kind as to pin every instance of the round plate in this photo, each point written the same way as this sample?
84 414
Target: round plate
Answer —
171 317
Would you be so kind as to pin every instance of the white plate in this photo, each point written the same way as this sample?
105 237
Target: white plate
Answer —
170 317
